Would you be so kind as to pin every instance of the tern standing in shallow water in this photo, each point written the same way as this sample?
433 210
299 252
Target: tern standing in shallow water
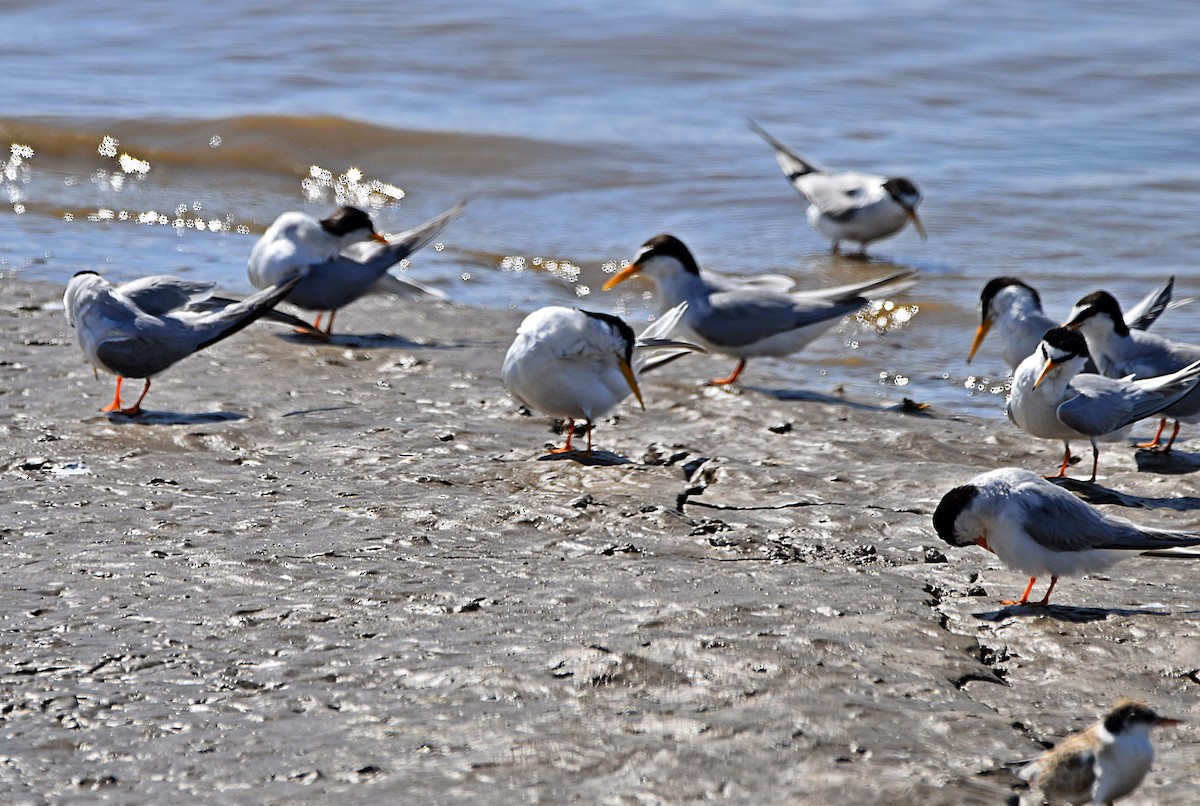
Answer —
849 206
1052 398
1120 352
1105 761
340 258
1043 530
578 365
139 329
1014 309
742 319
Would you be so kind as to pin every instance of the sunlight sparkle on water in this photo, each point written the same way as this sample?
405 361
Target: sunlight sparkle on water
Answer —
352 187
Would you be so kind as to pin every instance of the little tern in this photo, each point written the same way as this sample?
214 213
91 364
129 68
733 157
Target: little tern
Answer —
341 258
1043 530
139 329
743 319
849 206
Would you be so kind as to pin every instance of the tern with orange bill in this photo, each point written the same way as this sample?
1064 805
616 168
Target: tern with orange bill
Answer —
740 318
1053 398
1013 308
578 365
1119 352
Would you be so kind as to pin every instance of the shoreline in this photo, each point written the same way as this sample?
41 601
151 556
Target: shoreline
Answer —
347 572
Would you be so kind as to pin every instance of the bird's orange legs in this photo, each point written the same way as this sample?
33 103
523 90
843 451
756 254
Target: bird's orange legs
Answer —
315 330
133 410
1029 589
570 433
1154 443
732 377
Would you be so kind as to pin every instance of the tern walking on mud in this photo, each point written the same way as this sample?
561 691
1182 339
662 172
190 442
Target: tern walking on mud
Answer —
1043 530
743 319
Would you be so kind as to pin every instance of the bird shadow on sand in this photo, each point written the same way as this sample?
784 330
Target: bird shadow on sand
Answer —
376 340
905 406
1171 463
1067 613
814 397
1099 494
592 459
148 417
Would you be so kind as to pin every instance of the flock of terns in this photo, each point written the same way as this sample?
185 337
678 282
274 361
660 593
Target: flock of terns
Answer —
1089 378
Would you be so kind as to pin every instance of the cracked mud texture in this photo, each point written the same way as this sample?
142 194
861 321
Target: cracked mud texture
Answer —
347 572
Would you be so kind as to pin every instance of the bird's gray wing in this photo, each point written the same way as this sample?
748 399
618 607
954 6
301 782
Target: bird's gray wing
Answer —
149 344
894 283
1102 405
273 315
359 267
738 318
404 287
163 293
1059 521
219 325
1150 307
404 244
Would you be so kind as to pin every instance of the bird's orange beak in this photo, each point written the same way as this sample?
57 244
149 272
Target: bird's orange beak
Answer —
621 276
1050 364
983 544
375 236
631 379
982 331
1167 722
916 222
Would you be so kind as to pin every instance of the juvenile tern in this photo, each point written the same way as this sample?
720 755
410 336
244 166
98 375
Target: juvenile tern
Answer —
1119 351
849 206
1014 309
140 333
741 319
1052 398
1105 761
578 364
341 258
1043 530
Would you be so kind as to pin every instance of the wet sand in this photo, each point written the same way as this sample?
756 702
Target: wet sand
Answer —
348 572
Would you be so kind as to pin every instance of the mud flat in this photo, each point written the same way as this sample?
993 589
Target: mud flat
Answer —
347 572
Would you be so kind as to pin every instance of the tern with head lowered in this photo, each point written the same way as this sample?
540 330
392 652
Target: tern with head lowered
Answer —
340 258
1119 352
1013 308
139 329
849 206
741 319
1053 398
578 365
1103 762
1042 530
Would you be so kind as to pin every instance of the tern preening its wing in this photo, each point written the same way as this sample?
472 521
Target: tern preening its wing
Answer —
340 258
140 334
